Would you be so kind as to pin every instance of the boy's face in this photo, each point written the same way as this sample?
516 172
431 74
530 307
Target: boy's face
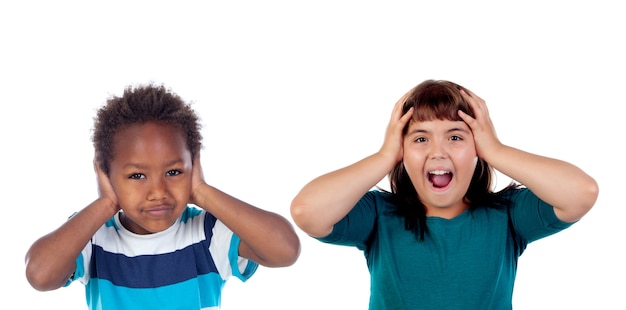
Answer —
440 158
151 175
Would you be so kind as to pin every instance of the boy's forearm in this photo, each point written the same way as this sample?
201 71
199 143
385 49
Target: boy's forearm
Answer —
51 259
267 238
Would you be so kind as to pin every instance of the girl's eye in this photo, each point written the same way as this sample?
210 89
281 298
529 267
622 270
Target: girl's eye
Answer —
137 176
455 138
420 139
173 172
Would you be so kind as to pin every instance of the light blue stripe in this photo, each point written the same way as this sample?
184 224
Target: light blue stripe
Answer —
79 272
182 295
190 213
111 223
233 257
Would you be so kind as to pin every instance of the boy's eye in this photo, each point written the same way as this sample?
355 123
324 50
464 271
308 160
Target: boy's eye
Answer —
137 176
420 139
173 172
455 138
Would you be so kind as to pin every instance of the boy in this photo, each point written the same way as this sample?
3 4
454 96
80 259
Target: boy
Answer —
139 244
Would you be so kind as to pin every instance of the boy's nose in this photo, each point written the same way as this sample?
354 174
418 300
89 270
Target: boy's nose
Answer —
157 189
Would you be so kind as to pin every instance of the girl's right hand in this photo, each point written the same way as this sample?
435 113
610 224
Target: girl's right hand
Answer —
392 146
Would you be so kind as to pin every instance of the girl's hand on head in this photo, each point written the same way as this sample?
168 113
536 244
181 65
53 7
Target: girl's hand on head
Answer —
197 179
392 146
484 132
105 189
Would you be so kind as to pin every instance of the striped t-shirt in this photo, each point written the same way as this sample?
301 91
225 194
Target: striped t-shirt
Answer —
182 267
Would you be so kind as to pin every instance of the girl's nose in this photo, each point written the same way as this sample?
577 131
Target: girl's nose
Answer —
437 150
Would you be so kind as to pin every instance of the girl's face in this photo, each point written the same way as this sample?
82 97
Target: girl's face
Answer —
151 176
440 158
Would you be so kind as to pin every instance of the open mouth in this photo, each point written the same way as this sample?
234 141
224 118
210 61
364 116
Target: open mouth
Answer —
440 178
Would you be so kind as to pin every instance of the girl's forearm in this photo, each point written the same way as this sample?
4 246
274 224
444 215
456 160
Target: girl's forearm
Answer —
327 199
570 190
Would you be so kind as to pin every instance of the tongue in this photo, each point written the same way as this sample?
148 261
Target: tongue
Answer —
440 180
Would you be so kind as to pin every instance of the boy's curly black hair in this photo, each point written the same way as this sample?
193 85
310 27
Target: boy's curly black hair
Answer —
138 105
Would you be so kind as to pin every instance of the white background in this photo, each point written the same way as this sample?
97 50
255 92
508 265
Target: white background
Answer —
288 90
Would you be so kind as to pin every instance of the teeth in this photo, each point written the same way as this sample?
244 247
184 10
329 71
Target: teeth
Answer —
438 172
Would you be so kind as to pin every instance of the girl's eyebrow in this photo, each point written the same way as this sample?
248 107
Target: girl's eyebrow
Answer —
414 131
461 129
420 130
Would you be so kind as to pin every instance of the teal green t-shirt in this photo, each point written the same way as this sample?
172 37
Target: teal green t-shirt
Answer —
467 262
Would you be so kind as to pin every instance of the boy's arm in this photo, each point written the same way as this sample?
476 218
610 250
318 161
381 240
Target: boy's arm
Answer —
266 238
51 259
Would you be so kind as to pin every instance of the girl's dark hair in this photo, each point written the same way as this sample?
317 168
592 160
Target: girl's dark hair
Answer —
438 100
138 105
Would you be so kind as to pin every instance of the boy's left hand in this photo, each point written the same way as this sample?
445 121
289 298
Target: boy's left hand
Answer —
197 179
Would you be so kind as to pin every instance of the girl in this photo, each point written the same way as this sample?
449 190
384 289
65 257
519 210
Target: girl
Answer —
442 238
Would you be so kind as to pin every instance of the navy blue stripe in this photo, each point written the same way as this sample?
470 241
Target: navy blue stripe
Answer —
148 271
209 222
152 270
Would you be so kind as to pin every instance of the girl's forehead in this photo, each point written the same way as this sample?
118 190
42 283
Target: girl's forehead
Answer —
437 124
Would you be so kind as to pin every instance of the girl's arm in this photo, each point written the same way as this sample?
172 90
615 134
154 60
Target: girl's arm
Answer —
566 187
266 238
51 259
327 199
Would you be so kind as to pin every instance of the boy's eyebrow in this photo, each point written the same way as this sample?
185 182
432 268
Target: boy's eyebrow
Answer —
133 165
141 166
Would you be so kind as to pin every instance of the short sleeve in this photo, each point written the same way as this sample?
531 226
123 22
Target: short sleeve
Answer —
357 226
532 218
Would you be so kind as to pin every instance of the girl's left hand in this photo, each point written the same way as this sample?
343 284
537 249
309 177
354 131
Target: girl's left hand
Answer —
484 132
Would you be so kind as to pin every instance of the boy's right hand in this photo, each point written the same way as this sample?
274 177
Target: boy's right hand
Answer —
105 189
